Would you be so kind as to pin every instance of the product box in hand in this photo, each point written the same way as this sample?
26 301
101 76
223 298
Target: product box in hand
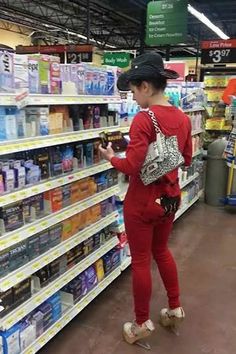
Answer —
119 143
7 83
11 217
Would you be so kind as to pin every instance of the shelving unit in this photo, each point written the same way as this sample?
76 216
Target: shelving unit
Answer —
10 239
188 206
52 183
189 180
71 313
31 267
28 230
126 264
39 297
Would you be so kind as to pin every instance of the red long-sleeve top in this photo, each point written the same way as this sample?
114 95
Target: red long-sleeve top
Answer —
171 121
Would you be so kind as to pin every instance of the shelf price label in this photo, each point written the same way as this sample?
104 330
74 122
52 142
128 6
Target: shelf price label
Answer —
218 52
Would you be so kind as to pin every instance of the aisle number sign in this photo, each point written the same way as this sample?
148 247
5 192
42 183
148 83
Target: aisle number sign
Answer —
219 51
166 22
120 59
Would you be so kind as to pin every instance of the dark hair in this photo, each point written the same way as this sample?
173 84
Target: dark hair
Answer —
159 82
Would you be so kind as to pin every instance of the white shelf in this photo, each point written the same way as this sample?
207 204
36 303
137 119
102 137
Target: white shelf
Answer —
14 237
9 99
125 264
11 146
71 313
38 99
33 266
198 131
52 183
185 208
118 229
189 180
196 109
198 152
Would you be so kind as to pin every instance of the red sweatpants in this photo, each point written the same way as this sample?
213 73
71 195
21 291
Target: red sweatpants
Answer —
147 240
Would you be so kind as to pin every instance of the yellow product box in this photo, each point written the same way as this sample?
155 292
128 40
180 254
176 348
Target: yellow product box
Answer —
215 124
214 95
66 229
99 270
55 123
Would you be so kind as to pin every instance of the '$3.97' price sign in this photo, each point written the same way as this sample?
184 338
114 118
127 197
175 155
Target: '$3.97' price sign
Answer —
219 55
218 52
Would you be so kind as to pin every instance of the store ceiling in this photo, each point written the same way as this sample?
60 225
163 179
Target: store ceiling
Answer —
116 23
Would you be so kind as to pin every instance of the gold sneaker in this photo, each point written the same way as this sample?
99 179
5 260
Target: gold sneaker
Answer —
133 332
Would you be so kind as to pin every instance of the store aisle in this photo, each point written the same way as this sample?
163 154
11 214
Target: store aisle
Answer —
204 242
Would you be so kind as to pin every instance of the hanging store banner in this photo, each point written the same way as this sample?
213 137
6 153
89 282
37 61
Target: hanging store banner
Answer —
120 59
178 67
166 22
218 52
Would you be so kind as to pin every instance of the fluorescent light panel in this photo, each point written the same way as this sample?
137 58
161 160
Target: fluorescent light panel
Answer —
201 17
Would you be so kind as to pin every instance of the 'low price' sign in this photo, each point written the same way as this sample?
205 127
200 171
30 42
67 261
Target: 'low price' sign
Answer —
219 51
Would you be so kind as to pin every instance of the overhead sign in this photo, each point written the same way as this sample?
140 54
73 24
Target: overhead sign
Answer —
120 59
72 52
218 52
166 22
178 67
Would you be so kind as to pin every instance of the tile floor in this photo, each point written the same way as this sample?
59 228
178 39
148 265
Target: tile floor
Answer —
204 243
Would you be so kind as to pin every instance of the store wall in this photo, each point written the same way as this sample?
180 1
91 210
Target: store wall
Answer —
13 39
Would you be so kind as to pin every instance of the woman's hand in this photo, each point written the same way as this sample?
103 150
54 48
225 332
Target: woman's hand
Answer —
107 153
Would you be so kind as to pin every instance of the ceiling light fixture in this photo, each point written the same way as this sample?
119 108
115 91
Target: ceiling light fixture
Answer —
201 17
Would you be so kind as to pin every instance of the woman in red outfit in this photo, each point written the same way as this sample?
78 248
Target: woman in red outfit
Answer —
149 211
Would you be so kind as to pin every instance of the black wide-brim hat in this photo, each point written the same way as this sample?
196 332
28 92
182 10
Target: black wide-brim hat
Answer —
144 67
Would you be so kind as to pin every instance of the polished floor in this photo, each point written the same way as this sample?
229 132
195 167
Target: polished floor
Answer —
204 243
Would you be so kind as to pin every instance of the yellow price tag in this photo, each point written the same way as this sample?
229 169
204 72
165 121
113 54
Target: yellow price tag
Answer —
32 229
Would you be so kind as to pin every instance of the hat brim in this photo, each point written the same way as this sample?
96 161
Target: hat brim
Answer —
125 78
